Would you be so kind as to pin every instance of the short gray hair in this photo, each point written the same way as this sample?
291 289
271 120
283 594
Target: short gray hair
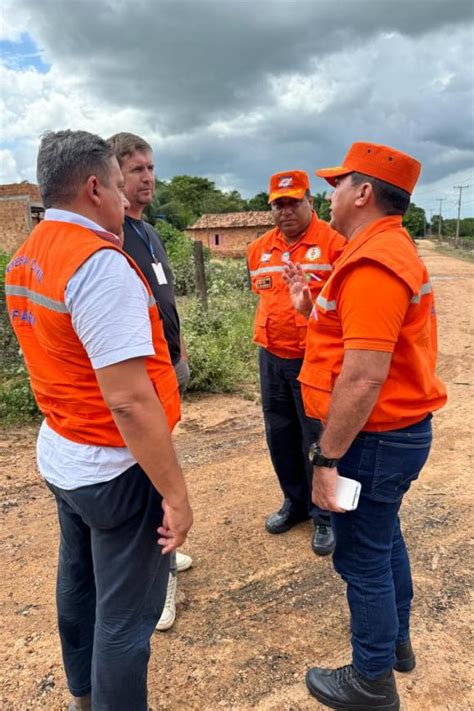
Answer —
66 159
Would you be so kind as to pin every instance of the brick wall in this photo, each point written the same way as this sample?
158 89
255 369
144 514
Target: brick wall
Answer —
14 189
231 241
16 220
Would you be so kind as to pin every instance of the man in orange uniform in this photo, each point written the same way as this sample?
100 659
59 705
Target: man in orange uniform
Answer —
280 331
369 376
101 373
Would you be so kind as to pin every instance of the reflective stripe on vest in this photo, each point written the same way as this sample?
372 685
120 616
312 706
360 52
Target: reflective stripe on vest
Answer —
325 304
304 267
40 299
426 288
51 304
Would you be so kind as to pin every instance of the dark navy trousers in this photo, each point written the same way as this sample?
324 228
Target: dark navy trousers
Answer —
370 553
289 433
111 587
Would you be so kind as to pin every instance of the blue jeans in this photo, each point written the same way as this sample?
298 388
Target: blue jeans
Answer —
370 553
289 433
111 587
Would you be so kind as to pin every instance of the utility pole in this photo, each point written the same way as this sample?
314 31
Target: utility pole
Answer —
460 188
440 200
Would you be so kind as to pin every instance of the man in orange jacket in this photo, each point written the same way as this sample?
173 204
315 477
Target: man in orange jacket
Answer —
369 376
280 331
101 373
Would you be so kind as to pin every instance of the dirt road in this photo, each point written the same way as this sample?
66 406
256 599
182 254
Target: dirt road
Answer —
256 610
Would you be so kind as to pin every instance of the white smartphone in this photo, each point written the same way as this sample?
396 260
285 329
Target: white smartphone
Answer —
347 493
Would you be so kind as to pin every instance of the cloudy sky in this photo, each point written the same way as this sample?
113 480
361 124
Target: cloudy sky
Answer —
237 89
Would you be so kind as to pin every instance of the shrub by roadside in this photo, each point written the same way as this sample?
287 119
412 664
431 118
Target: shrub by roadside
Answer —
219 342
222 357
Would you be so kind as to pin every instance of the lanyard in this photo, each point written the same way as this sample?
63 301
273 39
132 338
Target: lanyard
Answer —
147 242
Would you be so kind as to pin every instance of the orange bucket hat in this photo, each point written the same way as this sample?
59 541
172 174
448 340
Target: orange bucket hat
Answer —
291 183
378 161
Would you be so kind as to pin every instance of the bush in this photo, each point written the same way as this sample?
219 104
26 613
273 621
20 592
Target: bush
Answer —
179 248
224 275
10 354
219 342
221 353
16 398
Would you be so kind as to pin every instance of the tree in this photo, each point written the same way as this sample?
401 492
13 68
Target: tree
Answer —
321 205
165 206
258 202
218 201
186 197
434 225
414 220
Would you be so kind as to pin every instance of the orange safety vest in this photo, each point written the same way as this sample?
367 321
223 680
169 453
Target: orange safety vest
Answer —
62 378
277 326
412 389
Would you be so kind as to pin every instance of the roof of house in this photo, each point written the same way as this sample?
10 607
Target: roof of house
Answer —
262 218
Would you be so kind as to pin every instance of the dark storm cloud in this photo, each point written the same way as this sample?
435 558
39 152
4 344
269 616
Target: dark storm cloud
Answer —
188 61
236 89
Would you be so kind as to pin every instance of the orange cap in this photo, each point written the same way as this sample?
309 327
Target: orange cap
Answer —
378 161
291 183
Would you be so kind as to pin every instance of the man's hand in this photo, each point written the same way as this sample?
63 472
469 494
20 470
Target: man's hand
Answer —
300 292
324 489
177 521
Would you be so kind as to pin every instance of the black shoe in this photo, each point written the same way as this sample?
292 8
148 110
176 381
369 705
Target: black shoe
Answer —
282 520
406 659
322 541
345 688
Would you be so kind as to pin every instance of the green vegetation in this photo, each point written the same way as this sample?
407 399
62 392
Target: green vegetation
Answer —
466 254
184 198
219 341
16 399
222 356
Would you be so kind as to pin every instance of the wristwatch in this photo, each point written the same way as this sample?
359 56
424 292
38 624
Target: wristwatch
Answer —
317 458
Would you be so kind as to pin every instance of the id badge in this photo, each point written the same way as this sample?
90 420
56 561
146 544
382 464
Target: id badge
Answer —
159 273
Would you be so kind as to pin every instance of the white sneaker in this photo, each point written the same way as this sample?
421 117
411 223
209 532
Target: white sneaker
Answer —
183 561
168 615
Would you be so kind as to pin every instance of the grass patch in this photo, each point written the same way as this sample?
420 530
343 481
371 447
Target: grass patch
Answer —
221 354
219 342
17 403
466 255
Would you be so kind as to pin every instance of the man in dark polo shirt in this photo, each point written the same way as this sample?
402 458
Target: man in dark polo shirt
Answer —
144 245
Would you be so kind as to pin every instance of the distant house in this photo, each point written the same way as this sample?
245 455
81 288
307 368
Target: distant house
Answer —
20 210
228 234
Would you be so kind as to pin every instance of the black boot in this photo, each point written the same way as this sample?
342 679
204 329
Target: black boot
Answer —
281 521
345 688
322 541
406 659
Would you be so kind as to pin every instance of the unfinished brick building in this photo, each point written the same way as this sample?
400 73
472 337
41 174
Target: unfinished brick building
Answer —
20 210
228 234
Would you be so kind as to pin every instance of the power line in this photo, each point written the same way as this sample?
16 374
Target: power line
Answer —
467 176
